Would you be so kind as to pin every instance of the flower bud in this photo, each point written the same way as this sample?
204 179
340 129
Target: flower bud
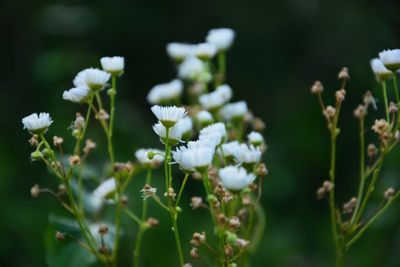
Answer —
35 191
36 155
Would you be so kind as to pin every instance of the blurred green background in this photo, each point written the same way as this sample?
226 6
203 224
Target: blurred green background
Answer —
281 48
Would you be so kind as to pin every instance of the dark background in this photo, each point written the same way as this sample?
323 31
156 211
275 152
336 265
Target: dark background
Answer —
281 48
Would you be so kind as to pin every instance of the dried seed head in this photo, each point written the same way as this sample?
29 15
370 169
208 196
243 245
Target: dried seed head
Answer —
372 150
258 125
380 126
123 167
102 115
170 193
227 197
196 202
344 74
317 88
79 122
59 236
349 206
103 229
329 112
328 186
74 160
234 223
219 190
194 253
34 140
360 111
228 250
241 243
198 239
389 193
262 170
57 141
253 187
369 99
246 200
148 191
221 218
340 95
152 222
321 192
243 214
35 191
393 108
89 146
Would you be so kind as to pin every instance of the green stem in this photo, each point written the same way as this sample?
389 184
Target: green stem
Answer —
371 187
171 206
133 216
142 227
181 190
221 68
117 220
384 89
371 221
112 94
362 172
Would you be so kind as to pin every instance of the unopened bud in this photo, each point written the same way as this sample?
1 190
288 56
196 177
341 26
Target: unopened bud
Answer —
329 112
36 155
372 150
234 223
389 193
344 74
317 88
328 186
34 140
35 191
228 250
62 189
74 160
59 236
89 146
393 108
152 222
321 192
57 141
102 115
360 112
194 253
124 200
196 202
340 95
241 243
349 206
262 170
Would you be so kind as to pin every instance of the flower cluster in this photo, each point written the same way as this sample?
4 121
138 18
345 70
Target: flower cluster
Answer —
349 225
210 138
208 133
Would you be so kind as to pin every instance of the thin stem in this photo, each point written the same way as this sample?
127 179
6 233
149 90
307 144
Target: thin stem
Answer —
396 87
112 94
171 207
181 190
384 89
221 68
371 221
133 216
362 172
117 220
371 186
142 227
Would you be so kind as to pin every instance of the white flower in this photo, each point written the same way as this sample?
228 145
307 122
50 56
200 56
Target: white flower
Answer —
199 144
165 92
247 154
94 79
216 99
204 117
234 110
214 133
143 158
235 179
168 115
193 68
222 38
205 51
185 125
37 124
255 138
230 148
113 65
77 94
390 58
179 51
379 69
105 189
198 158
175 132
